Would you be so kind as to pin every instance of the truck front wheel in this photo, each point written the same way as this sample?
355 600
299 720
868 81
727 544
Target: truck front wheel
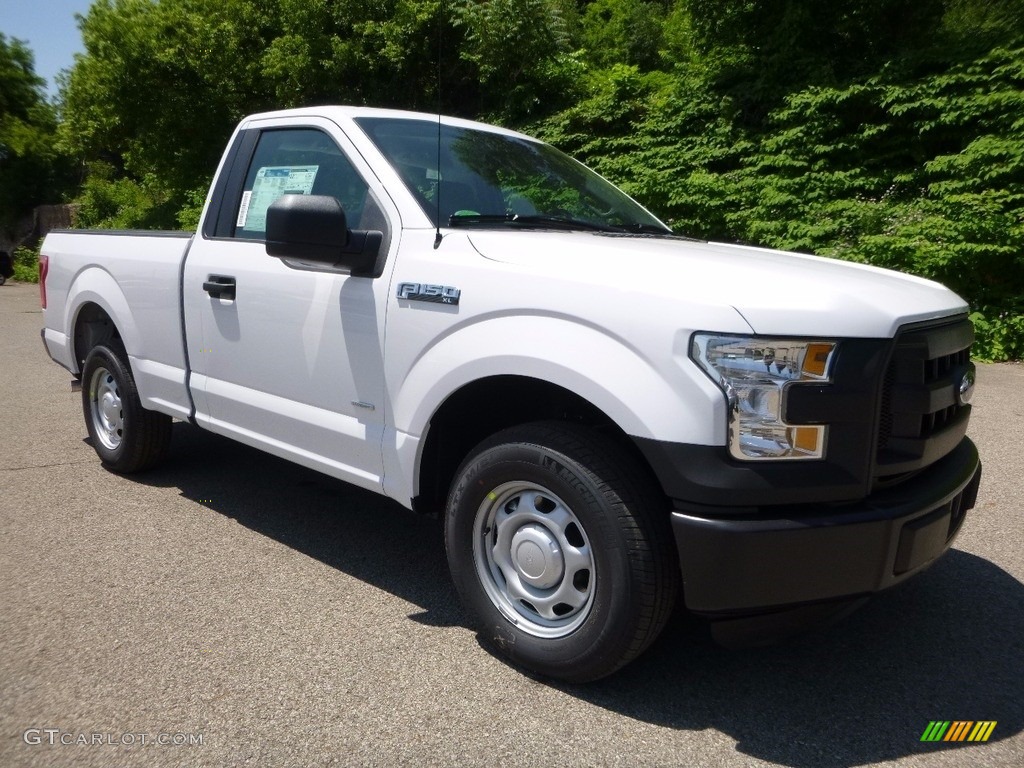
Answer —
127 437
559 544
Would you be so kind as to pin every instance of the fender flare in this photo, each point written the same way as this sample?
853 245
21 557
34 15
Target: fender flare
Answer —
94 285
634 392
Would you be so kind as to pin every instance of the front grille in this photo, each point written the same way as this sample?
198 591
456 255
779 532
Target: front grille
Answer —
921 417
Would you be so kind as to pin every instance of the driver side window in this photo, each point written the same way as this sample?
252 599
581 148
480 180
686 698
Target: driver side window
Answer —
299 161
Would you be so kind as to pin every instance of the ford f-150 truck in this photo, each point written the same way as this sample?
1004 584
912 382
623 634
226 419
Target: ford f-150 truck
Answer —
610 417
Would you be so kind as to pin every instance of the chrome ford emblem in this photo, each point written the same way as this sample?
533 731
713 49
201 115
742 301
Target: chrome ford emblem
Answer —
966 389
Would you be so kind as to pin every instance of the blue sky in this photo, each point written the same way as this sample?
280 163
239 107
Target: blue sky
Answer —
49 28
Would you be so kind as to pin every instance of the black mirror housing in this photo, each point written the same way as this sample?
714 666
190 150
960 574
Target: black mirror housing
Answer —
314 228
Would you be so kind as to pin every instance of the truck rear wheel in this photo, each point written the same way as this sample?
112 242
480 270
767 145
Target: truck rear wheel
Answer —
559 545
127 437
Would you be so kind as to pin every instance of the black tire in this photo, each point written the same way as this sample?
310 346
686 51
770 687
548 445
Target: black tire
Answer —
2 279
126 436
559 544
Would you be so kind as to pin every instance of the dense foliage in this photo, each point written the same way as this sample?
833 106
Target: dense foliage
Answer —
883 131
31 169
26 265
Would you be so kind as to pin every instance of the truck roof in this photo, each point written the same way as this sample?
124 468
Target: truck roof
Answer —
344 113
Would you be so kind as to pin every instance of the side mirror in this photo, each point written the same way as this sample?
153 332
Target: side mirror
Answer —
314 228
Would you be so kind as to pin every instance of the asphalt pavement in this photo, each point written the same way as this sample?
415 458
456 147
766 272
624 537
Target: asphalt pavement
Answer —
230 608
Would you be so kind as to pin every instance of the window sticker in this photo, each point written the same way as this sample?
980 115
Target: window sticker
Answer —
272 182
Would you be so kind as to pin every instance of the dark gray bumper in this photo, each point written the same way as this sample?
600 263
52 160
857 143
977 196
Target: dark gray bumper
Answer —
743 566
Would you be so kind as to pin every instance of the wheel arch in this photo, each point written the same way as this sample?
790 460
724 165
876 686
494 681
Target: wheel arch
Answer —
97 311
498 402
93 326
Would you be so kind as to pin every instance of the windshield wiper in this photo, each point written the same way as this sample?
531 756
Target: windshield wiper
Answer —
646 229
558 222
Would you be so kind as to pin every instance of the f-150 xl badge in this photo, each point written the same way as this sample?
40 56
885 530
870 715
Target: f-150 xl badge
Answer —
435 294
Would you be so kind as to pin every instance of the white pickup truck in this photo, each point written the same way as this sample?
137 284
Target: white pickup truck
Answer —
609 416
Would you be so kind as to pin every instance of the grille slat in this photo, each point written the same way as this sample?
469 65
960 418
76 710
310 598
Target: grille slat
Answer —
921 418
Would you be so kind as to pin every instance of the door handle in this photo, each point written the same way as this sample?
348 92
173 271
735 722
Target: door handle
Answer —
220 287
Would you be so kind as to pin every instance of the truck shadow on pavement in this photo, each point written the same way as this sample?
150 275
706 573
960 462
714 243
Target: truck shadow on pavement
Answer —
947 646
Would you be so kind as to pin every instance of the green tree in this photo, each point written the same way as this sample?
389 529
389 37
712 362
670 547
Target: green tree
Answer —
668 140
881 131
758 51
157 90
523 54
624 32
918 172
32 172
161 84
382 53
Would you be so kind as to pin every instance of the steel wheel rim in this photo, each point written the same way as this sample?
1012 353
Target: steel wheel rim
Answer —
534 559
106 409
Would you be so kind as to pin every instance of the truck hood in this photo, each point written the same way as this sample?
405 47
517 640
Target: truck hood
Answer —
776 292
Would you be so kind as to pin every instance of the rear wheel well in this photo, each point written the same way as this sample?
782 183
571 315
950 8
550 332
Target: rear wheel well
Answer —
93 326
487 406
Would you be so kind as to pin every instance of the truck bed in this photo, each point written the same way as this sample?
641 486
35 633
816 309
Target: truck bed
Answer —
129 274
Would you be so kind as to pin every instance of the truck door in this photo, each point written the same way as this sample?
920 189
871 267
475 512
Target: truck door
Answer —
287 356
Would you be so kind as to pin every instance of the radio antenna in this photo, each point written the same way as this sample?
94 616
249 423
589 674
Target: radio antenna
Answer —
437 194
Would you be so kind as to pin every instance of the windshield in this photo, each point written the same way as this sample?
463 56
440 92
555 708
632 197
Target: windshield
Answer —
489 179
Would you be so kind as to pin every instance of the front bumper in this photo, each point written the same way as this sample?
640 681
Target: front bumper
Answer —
755 564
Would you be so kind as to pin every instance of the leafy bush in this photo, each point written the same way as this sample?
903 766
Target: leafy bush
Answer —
999 334
911 170
110 201
918 167
189 215
26 265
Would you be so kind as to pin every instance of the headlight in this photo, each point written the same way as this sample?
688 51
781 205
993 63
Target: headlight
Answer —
755 372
